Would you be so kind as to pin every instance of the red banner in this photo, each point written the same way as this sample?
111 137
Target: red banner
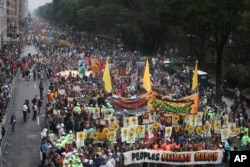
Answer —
130 104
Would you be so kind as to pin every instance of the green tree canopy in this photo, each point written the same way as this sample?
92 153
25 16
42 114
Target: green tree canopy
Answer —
86 19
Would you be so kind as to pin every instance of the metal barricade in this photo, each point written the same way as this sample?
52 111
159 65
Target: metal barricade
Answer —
10 108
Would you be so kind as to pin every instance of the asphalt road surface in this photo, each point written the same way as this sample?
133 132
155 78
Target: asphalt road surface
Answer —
23 149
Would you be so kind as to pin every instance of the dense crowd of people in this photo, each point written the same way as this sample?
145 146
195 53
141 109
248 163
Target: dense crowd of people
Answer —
9 66
85 125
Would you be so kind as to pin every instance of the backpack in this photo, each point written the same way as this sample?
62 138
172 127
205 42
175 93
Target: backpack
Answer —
33 100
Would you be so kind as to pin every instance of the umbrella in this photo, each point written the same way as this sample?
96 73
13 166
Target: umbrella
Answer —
66 73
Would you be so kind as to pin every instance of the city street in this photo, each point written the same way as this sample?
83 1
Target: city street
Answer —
24 143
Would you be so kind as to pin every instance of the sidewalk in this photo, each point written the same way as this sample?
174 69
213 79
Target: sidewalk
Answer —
25 141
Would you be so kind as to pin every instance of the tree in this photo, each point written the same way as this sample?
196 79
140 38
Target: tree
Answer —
86 19
217 19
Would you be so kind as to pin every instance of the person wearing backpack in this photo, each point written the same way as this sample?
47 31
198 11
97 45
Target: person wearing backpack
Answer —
39 104
34 108
34 100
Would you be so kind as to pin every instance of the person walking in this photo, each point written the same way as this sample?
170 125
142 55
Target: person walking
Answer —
3 130
34 100
39 104
44 149
27 75
34 73
34 108
25 110
13 122
41 88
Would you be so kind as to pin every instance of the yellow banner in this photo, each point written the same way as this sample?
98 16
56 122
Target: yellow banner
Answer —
180 106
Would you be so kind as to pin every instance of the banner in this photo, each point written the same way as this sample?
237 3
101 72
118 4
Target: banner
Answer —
231 129
95 111
168 132
140 131
224 134
187 105
217 126
130 121
130 104
225 122
173 158
148 117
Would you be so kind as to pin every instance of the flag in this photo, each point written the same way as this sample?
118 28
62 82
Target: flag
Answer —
106 78
195 105
146 78
195 77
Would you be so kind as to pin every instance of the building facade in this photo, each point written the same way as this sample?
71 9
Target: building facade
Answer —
12 15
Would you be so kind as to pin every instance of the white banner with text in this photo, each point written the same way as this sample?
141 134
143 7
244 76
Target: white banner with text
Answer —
173 158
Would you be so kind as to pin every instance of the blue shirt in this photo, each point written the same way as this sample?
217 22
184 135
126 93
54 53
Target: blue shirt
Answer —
99 161
227 146
44 148
180 139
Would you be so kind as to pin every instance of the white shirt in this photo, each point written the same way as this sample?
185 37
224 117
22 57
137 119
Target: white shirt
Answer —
25 108
110 163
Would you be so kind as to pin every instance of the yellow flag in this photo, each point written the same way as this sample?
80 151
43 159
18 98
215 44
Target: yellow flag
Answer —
146 78
106 78
195 77
195 105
